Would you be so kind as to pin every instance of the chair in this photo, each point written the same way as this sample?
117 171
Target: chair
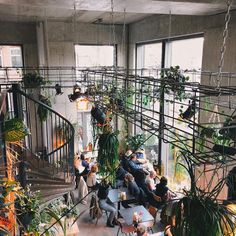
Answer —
153 211
124 228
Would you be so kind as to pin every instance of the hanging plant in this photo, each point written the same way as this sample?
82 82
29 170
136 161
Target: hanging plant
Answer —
108 157
173 81
98 115
14 130
43 111
135 142
33 80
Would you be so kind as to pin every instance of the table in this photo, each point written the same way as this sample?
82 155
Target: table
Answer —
114 196
127 214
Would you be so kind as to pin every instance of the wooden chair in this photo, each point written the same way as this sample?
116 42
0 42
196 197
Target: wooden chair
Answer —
124 228
153 211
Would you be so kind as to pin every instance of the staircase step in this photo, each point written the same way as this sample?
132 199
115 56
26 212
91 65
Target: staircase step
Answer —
50 187
32 173
44 181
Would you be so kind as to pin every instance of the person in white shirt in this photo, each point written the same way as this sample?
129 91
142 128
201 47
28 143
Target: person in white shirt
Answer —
150 180
92 178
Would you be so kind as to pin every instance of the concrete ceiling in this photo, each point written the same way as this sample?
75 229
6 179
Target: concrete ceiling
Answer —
91 10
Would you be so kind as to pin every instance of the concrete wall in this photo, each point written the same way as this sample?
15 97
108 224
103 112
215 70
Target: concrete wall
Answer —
62 36
23 34
157 27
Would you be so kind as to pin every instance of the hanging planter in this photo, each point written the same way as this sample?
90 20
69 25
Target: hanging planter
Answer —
229 128
108 157
173 81
224 150
43 111
15 130
98 115
33 80
190 111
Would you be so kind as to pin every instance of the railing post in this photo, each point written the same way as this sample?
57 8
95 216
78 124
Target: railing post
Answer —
17 103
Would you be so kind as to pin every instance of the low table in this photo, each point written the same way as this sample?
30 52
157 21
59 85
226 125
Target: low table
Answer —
127 215
114 196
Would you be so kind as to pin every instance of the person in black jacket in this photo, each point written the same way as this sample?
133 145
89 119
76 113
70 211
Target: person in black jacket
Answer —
106 204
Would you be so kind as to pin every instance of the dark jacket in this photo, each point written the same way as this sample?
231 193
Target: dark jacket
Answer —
103 191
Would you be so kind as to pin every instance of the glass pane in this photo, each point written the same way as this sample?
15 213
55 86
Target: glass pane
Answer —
187 54
149 58
94 56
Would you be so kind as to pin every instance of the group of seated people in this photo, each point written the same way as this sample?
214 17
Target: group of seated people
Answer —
132 173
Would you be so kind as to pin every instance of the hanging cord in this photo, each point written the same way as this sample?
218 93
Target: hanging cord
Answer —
223 47
113 31
123 33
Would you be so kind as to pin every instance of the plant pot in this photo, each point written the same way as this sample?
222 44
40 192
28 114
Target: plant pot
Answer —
98 115
190 111
224 150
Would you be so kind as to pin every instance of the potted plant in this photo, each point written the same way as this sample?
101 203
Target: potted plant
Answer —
135 142
199 213
42 111
108 157
33 80
14 130
27 205
98 115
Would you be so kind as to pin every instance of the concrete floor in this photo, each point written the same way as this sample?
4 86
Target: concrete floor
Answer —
88 227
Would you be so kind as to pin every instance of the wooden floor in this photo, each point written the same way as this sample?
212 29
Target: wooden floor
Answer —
87 227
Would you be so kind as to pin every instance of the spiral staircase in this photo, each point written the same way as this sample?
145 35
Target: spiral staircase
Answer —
46 156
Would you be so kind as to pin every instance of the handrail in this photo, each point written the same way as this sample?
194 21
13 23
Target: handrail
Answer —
56 155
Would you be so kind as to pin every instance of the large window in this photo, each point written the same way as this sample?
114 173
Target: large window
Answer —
186 53
94 55
11 56
16 57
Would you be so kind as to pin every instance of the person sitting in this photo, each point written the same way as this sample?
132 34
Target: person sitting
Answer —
92 178
141 157
120 176
134 164
125 160
150 180
163 191
135 190
106 204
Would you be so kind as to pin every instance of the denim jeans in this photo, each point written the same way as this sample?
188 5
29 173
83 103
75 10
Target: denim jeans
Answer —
107 205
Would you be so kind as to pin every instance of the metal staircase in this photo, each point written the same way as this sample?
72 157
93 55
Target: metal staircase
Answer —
46 159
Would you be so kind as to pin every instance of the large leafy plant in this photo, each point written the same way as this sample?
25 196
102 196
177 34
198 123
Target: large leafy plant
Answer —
108 157
199 212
